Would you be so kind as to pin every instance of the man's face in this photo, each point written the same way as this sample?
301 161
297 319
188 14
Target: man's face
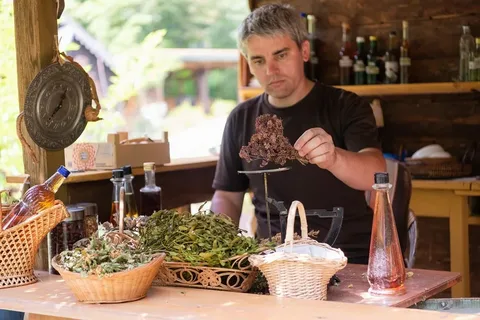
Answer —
277 63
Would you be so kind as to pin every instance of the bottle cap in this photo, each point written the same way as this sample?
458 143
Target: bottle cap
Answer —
127 169
117 173
381 178
360 39
405 23
63 171
393 34
373 38
149 166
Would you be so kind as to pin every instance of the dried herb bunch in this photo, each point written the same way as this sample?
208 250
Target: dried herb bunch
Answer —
200 238
269 144
104 254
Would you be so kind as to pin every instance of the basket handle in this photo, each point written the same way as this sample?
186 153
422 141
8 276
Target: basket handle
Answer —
121 209
291 221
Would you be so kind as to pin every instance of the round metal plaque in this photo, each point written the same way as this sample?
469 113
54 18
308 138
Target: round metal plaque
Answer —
55 106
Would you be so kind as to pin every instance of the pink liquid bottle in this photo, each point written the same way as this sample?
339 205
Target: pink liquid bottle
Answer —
386 270
36 199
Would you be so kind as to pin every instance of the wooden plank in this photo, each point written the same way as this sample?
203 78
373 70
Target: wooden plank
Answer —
174 165
431 203
393 89
35 28
459 245
51 296
419 285
474 220
373 12
476 185
441 184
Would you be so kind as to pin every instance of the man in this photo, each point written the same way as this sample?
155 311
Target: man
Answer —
333 129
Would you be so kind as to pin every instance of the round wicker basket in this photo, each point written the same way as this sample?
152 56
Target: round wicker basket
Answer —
19 245
118 287
292 270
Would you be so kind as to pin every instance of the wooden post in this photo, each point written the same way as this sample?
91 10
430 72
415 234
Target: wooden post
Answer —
35 28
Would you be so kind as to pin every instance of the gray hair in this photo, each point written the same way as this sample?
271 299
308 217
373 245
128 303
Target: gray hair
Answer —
271 20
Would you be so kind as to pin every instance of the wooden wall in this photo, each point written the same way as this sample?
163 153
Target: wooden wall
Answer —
434 31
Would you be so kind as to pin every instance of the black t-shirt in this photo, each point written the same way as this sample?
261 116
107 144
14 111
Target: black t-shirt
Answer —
350 122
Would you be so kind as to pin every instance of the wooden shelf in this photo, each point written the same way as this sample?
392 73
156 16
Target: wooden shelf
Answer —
175 165
391 89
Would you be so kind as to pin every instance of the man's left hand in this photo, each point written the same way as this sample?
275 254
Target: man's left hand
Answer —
316 145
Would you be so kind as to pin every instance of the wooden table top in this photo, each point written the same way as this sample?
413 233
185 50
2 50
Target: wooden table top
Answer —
420 285
51 297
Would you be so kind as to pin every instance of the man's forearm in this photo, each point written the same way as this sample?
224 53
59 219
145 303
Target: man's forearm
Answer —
226 206
356 169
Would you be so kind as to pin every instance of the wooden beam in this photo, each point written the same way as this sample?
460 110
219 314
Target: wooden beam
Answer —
35 28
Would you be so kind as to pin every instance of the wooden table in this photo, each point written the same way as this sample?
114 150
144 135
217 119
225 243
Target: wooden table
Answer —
50 298
420 285
449 199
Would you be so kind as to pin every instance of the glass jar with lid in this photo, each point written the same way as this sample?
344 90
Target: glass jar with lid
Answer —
66 233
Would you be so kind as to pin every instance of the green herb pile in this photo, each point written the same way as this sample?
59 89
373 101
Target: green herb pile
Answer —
202 238
103 257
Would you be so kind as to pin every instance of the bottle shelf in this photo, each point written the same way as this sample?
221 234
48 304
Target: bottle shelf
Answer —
390 89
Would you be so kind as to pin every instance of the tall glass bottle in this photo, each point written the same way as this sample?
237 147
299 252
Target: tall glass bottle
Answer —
386 270
467 45
312 64
131 210
360 61
117 181
404 55
36 199
476 61
150 194
391 60
372 69
346 54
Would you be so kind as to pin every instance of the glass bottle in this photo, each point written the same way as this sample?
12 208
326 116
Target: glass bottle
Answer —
117 181
360 60
312 65
391 60
467 45
150 194
36 199
386 270
131 210
346 54
475 62
404 55
372 69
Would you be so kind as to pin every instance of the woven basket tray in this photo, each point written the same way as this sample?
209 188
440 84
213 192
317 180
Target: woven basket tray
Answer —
292 274
118 287
437 168
239 279
19 245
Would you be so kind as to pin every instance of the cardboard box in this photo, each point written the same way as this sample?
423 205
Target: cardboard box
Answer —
117 152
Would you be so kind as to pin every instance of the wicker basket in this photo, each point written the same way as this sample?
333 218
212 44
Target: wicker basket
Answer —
118 287
240 278
299 268
19 245
437 168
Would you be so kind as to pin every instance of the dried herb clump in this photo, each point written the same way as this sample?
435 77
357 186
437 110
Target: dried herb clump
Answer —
269 144
201 238
105 253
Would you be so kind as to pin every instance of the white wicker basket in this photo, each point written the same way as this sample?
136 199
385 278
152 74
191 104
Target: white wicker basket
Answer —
299 268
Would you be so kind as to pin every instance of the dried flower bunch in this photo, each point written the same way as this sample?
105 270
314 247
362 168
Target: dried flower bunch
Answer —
269 144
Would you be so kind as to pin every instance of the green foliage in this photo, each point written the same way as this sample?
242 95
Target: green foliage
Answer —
11 160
